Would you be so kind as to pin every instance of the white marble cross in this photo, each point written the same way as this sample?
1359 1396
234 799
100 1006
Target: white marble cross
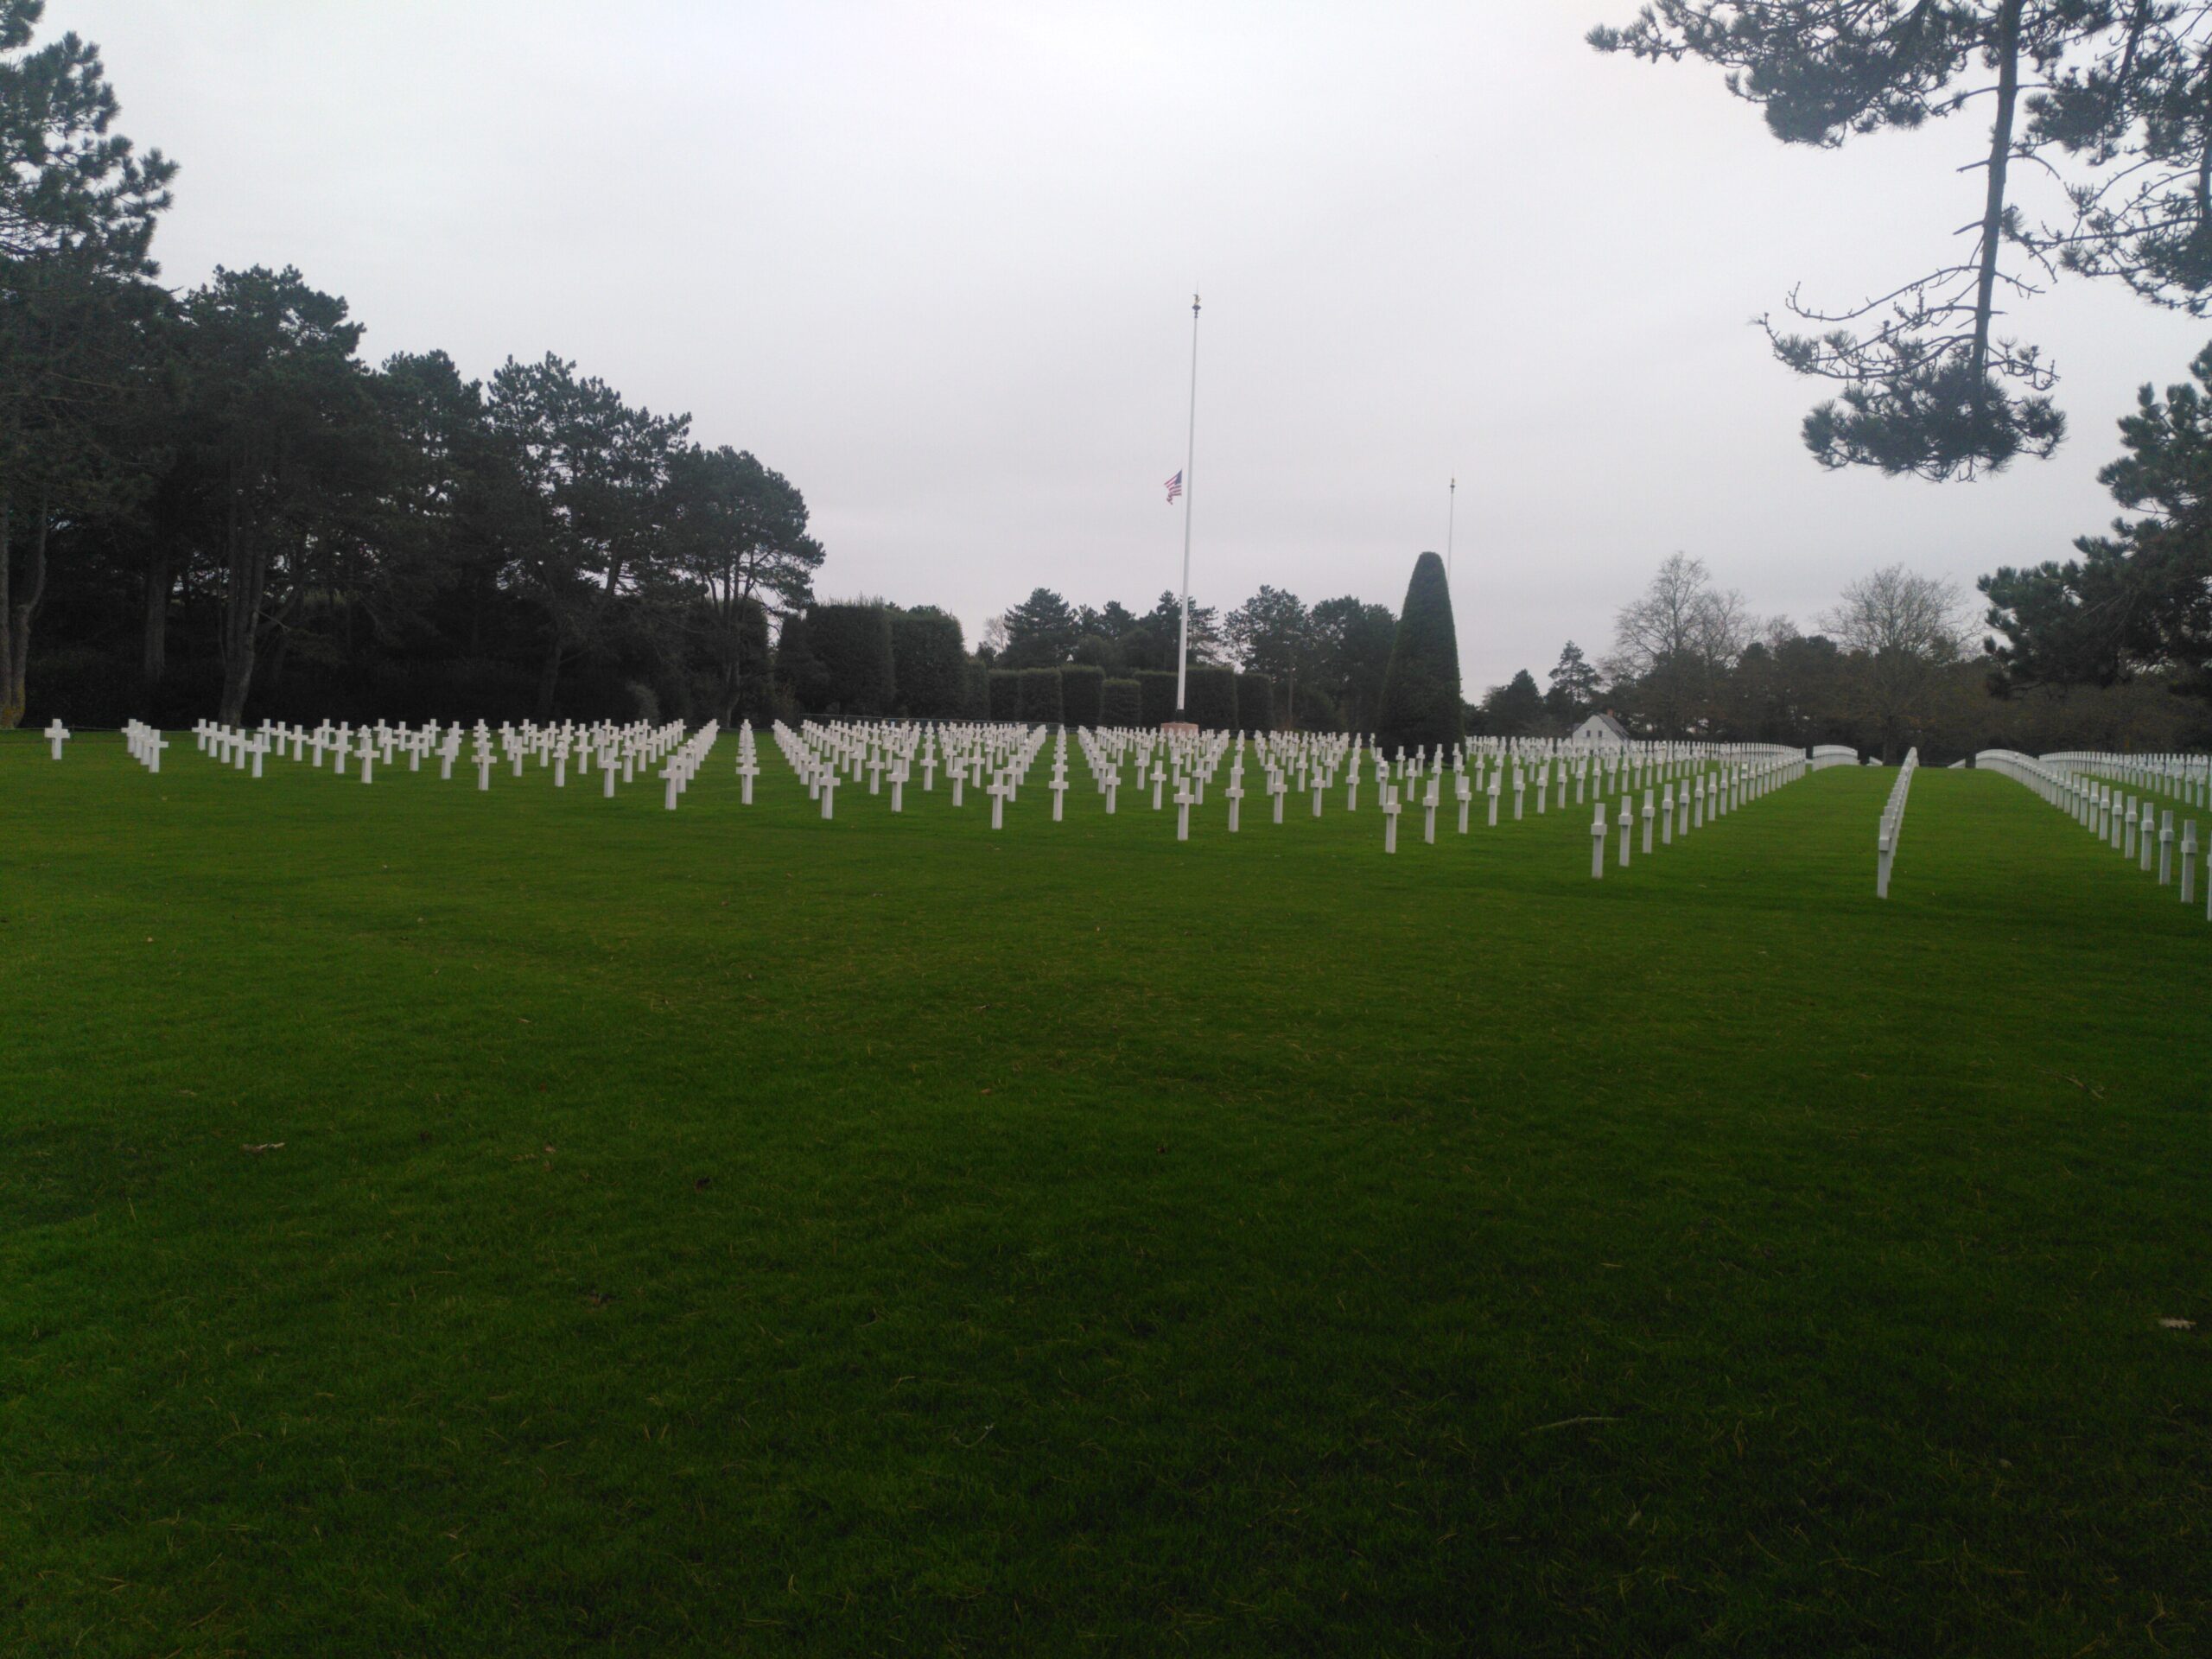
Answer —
1183 798
1598 842
1649 809
1627 821
1390 811
56 735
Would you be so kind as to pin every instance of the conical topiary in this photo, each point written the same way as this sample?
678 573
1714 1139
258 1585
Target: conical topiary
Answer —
1420 689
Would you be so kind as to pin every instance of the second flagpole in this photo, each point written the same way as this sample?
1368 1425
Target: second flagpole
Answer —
1190 480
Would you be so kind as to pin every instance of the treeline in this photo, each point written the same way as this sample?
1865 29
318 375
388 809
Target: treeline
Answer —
868 658
210 504
1893 665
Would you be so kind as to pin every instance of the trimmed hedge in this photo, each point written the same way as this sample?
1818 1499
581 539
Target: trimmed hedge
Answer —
1121 703
1040 695
1082 688
1256 702
1156 690
1420 689
1213 698
1006 694
928 661
974 690
853 644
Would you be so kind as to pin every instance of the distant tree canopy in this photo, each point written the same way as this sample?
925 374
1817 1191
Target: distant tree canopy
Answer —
2112 99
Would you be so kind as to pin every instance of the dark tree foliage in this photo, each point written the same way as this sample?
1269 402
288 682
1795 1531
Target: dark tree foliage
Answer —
1352 642
928 663
1256 702
76 213
1083 688
1041 632
1121 703
1514 709
1421 705
1040 696
1006 694
1211 692
2139 600
736 529
1574 684
2110 98
852 644
1156 688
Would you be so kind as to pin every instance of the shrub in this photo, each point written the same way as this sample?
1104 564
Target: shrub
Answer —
1421 688
1212 702
1256 702
1006 694
927 661
1156 688
1040 695
974 690
853 644
1121 703
1082 687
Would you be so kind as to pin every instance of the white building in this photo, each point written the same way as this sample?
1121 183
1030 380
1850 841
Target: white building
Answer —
1602 729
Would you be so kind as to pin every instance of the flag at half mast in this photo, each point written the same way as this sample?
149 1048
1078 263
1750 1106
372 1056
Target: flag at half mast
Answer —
1174 489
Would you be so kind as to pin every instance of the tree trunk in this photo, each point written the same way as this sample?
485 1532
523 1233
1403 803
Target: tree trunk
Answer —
549 680
6 598
15 613
2007 49
154 648
246 572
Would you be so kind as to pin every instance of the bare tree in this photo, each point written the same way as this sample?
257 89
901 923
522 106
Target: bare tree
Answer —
1902 632
1672 639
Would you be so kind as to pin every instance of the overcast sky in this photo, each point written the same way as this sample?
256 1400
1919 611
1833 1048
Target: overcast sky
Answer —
934 262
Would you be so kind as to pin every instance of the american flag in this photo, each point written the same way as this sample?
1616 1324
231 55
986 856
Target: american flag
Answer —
1174 489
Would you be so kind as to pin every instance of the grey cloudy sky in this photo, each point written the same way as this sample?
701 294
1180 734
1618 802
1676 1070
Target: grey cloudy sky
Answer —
934 262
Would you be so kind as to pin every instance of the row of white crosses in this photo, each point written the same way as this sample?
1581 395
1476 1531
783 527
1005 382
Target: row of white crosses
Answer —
615 749
1892 826
1705 794
2138 828
2187 777
144 744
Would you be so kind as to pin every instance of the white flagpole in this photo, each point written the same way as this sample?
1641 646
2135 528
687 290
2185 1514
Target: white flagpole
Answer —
1190 468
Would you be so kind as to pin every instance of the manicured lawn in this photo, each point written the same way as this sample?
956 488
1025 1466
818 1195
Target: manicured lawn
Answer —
726 1232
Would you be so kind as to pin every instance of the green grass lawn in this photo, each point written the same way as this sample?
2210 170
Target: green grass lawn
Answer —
728 1231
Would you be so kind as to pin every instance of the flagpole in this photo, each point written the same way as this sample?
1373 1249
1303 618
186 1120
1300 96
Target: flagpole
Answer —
1190 479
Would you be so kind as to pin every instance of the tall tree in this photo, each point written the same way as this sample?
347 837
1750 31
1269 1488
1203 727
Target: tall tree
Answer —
1902 631
77 212
585 506
1352 641
282 418
739 531
1041 632
1673 639
1574 684
2140 598
2113 99
1272 634
1515 708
